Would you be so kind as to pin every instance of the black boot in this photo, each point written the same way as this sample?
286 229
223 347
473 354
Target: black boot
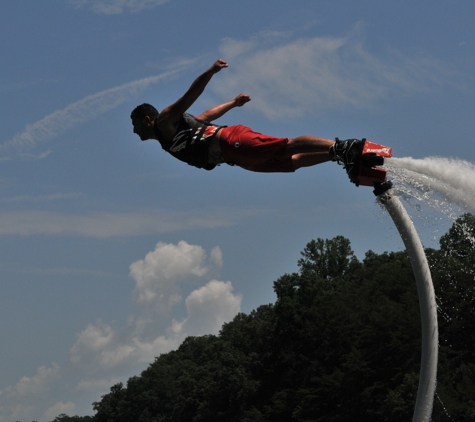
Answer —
348 153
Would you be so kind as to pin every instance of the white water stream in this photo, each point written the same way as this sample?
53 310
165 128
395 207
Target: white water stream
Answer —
438 182
453 179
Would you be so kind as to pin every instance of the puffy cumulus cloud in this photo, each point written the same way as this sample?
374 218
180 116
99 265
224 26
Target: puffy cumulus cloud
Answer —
152 330
59 408
147 349
289 77
101 349
94 341
104 355
35 384
157 274
114 7
209 307
20 402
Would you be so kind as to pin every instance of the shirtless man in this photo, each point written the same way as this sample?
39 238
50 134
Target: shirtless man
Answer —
200 143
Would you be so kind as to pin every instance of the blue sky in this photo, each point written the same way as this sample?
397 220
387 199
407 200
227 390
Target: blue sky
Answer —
111 251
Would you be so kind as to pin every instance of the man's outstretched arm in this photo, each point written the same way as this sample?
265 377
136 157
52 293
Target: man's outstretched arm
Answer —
218 110
174 111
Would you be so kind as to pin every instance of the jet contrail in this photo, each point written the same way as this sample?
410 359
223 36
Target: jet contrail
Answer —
85 109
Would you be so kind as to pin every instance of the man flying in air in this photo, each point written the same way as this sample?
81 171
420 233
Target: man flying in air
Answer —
200 143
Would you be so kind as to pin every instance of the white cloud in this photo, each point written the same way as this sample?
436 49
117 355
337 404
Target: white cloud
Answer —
104 355
105 224
93 339
156 275
151 331
100 349
293 78
18 402
210 306
59 408
114 7
146 350
37 383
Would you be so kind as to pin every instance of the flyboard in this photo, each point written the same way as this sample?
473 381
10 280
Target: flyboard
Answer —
363 166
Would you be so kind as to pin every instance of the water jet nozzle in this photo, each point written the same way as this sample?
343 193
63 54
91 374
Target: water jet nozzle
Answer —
382 187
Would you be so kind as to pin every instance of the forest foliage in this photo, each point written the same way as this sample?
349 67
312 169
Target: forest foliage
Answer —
342 342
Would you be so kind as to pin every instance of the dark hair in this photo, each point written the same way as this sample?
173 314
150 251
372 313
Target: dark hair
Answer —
144 110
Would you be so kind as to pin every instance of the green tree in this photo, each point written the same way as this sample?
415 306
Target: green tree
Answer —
327 258
65 418
459 242
342 342
453 273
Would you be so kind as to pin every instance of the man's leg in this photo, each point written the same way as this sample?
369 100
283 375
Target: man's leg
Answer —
308 151
309 159
307 143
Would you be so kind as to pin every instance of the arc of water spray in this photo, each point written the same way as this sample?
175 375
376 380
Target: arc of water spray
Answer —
454 179
428 306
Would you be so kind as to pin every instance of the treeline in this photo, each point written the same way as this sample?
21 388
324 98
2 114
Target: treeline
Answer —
342 342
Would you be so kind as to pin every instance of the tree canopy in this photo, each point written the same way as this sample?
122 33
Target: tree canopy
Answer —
342 342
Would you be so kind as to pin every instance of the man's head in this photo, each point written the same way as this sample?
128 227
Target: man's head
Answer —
143 117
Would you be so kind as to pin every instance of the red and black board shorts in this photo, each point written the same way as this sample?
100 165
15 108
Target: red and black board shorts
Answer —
254 151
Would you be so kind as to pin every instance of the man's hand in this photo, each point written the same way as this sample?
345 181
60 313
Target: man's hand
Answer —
241 99
220 109
171 114
218 65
